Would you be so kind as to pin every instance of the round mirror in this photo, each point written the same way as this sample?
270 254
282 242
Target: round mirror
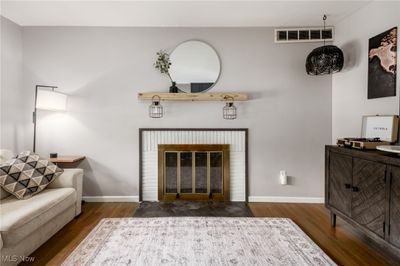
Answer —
195 66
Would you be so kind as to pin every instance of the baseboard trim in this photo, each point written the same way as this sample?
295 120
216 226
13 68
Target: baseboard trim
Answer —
286 199
111 198
251 199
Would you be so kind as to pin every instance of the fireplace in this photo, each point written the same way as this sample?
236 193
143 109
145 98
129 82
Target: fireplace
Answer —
193 172
236 140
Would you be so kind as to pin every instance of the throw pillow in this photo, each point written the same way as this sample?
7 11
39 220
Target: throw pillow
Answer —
27 174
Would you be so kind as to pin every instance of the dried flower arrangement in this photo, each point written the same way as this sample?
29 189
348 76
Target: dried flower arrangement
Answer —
163 63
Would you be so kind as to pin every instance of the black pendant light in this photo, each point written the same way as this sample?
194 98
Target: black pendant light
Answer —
324 60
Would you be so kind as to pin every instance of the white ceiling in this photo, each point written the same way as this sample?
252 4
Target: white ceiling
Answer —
177 13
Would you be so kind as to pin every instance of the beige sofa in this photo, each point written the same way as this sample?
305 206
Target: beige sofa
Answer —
26 224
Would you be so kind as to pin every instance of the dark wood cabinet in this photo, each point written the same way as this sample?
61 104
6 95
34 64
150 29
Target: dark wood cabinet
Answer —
363 188
368 195
394 225
341 181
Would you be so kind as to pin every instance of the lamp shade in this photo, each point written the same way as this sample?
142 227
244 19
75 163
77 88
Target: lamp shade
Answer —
324 60
51 100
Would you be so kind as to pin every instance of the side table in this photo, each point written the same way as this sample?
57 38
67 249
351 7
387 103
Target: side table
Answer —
67 161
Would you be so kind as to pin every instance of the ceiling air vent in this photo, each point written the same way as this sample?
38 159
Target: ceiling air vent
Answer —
303 35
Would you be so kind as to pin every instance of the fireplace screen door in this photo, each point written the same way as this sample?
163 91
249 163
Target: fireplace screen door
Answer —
193 172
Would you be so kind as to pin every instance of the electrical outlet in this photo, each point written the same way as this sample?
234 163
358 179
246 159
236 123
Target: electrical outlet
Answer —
283 177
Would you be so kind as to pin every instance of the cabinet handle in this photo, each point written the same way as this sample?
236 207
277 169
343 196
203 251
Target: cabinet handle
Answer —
347 186
355 189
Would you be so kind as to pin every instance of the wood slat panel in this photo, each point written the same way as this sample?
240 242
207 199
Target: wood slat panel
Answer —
394 233
340 170
368 203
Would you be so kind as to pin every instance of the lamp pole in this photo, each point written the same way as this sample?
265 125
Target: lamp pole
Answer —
35 112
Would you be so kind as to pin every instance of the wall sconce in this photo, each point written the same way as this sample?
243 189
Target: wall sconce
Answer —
156 109
47 100
229 110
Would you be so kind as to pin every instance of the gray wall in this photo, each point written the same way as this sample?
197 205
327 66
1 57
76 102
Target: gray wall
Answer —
349 87
103 69
14 116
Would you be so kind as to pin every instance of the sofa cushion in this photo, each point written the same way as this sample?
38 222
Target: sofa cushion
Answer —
27 174
5 155
20 218
4 194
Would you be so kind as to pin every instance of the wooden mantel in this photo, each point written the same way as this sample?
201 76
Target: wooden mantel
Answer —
220 96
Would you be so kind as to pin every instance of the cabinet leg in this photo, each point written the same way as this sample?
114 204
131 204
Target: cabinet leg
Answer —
333 219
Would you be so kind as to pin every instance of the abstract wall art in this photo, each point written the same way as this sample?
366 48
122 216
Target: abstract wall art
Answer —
382 64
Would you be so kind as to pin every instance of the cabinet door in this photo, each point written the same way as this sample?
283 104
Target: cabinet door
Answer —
340 181
368 202
394 232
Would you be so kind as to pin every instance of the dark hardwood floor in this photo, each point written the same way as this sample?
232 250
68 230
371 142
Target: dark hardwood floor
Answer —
57 248
345 245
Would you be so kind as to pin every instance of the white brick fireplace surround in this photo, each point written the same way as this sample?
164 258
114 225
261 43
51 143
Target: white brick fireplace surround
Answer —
150 138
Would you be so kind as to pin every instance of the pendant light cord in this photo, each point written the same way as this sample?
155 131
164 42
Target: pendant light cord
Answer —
324 19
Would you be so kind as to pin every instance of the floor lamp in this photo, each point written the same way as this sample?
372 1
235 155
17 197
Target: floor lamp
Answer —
47 99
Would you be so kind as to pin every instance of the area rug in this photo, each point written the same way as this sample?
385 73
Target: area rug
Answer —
193 208
197 241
